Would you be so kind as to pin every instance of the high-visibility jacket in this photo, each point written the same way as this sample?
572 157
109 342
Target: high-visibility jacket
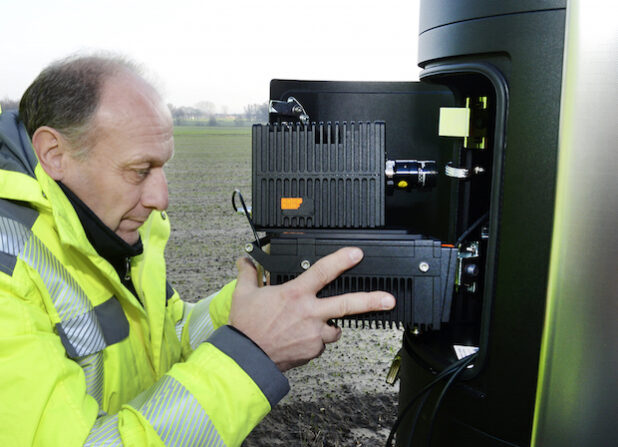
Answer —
82 361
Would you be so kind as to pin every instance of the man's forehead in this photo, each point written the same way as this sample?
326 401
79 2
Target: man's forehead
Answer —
126 95
132 116
151 157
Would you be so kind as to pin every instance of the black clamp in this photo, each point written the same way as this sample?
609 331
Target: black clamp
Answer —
291 108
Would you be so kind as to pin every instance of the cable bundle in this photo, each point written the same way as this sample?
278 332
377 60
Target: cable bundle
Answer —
452 372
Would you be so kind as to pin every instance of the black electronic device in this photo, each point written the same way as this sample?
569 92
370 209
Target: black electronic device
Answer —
419 272
353 178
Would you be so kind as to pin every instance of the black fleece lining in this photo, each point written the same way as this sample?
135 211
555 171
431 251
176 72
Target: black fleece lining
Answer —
108 244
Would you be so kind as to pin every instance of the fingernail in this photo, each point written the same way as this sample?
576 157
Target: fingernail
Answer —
388 302
356 254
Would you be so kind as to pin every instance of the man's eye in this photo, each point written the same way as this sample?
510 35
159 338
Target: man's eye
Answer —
143 173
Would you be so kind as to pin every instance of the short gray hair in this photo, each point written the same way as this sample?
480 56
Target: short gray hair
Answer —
66 94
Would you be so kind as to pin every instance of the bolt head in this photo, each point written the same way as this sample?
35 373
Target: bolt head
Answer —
305 264
472 270
423 267
249 248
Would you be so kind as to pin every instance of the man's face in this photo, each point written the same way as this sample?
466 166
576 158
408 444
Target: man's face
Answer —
122 179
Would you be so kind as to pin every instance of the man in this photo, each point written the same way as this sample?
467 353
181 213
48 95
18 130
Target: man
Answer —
96 348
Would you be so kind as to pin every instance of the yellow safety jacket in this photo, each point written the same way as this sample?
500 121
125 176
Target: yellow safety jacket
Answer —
82 361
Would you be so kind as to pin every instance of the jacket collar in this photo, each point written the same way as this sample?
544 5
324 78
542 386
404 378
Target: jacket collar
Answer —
18 163
107 243
70 229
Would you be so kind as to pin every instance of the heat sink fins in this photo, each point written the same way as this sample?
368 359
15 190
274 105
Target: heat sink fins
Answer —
319 176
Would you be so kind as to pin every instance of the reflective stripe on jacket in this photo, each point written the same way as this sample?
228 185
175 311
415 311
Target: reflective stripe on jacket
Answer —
82 362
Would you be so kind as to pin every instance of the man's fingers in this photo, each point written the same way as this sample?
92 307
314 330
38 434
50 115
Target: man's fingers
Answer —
329 267
331 334
355 303
247 274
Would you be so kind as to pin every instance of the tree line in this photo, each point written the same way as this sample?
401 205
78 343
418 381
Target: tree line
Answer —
202 113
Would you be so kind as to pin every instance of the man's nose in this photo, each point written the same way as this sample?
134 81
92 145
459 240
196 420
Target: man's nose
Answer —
155 193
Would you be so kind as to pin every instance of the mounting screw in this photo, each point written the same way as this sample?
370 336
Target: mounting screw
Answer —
472 270
297 109
485 232
423 267
249 248
305 264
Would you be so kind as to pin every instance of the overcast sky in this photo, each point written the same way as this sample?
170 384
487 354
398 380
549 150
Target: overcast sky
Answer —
225 52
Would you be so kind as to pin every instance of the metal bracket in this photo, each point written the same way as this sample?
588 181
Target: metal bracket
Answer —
292 263
462 173
469 122
467 269
291 108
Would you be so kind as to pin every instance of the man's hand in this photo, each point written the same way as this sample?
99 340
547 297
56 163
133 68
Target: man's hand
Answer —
288 321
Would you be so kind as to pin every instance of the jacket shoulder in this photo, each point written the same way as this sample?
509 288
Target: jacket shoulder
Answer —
16 221
16 153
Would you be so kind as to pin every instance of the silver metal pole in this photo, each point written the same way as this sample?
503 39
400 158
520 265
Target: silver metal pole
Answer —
577 394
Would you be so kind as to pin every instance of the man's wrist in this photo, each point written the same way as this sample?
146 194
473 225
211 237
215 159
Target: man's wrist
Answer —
253 360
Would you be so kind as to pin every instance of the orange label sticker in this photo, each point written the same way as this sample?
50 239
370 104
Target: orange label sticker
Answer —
291 203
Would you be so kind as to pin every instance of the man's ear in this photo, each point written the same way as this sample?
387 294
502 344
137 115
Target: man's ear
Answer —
51 149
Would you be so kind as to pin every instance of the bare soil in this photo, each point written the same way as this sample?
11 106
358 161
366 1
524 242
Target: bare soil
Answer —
339 399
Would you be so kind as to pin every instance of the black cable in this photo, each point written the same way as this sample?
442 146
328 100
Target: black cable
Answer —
484 434
417 416
434 413
448 370
428 393
471 228
247 214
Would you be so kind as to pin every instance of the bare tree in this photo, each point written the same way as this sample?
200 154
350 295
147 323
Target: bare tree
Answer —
7 103
207 107
183 114
257 113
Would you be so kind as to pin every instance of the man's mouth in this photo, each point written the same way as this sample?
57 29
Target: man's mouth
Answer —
133 222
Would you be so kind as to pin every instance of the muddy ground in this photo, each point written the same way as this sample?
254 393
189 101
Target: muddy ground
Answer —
339 399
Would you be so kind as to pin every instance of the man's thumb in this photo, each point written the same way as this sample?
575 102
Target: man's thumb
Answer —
247 274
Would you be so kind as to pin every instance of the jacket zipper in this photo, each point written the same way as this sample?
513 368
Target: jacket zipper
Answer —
127 274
